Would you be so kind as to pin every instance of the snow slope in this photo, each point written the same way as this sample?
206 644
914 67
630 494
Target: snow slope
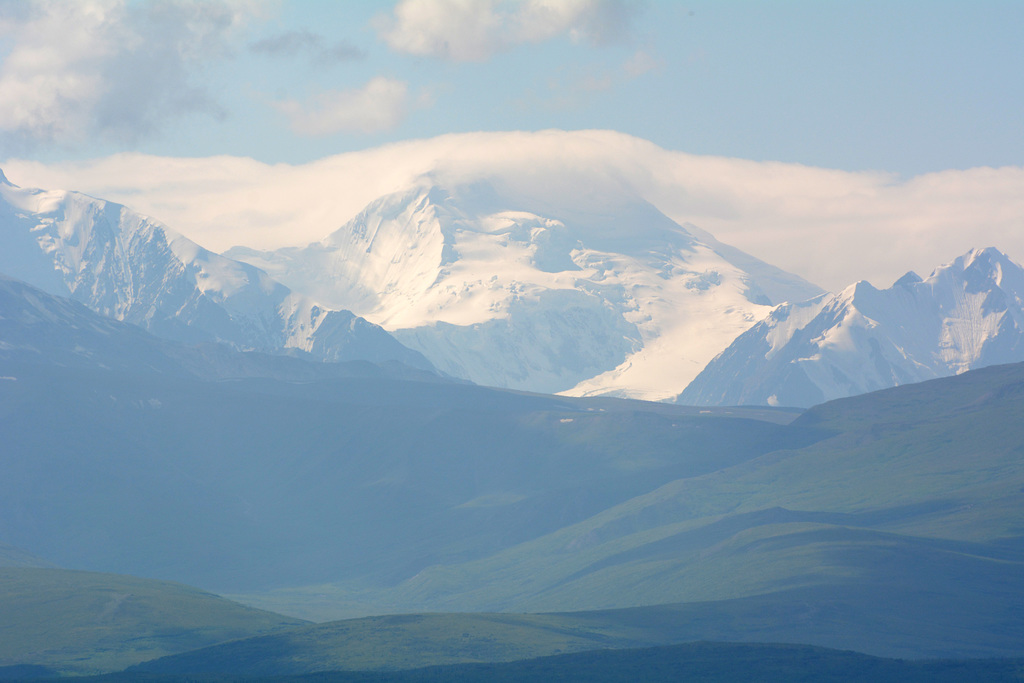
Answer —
128 267
563 292
967 314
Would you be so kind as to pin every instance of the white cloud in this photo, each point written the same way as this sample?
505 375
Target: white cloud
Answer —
832 227
474 30
105 67
381 104
641 62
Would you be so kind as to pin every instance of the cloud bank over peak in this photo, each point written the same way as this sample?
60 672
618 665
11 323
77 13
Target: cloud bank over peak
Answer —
475 30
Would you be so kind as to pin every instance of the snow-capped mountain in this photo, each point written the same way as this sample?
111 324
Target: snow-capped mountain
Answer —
967 314
128 267
577 294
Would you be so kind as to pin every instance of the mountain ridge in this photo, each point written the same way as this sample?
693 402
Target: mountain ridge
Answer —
967 314
38 329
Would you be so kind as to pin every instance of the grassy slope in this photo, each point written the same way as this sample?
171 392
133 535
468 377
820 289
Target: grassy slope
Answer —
82 622
279 471
875 619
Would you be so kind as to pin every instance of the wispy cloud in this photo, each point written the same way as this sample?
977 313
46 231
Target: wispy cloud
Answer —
475 30
381 104
105 68
313 45
569 89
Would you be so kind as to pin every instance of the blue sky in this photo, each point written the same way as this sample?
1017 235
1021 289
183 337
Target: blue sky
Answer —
906 87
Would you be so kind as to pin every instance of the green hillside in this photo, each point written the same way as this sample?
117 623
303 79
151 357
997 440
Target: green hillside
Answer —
707 662
82 622
399 642
906 527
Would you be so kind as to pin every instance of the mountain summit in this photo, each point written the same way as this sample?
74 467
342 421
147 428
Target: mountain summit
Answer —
967 314
581 294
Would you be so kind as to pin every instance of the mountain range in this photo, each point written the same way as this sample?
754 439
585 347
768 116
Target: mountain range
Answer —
595 294
583 295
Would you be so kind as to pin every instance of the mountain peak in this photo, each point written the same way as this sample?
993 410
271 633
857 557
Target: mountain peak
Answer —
853 293
986 252
976 258
908 280
862 287
983 269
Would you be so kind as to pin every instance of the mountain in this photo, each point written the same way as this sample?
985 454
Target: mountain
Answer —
582 293
126 266
967 314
